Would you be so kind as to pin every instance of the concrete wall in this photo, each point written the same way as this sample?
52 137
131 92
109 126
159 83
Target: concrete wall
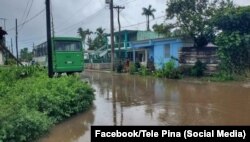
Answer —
97 66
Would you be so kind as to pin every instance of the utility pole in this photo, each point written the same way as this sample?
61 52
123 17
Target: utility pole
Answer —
16 42
112 33
49 48
11 46
119 8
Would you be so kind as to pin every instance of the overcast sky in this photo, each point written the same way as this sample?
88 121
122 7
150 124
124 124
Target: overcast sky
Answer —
69 15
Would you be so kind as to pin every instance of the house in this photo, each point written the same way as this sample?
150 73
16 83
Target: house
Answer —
159 50
145 46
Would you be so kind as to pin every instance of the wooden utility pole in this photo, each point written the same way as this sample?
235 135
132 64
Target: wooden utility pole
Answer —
17 43
112 33
119 8
11 46
49 48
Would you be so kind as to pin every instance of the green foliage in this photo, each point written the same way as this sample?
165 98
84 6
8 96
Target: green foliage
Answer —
234 40
100 39
222 76
31 102
194 18
144 71
198 69
169 71
10 62
233 19
163 29
26 56
132 68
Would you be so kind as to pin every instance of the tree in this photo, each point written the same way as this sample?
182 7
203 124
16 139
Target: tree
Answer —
148 12
193 17
163 29
234 39
82 34
100 39
90 44
26 56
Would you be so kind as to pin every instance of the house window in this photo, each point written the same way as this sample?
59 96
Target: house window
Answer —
167 51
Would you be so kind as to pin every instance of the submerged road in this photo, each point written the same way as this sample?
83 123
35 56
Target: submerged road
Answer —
135 100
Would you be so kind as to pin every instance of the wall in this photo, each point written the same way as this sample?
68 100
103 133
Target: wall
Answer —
97 66
159 53
188 56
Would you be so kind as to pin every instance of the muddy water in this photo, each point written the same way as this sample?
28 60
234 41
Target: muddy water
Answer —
133 100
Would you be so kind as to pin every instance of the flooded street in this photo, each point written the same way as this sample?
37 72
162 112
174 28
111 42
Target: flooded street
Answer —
135 100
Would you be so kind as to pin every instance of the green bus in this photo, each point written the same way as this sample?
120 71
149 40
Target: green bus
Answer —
67 55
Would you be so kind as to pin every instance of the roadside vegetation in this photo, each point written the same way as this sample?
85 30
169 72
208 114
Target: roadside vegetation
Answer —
31 103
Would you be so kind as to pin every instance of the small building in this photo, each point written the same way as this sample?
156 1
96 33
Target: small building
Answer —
145 46
160 50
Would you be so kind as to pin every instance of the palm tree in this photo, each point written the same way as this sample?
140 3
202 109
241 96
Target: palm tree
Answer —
148 12
99 41
100 31
82 34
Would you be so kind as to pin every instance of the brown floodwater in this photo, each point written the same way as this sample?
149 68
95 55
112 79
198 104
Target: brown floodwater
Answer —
135 100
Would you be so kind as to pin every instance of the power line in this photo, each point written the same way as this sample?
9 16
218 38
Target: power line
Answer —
27 5
82 21
143 22
76 13
33 17
27 14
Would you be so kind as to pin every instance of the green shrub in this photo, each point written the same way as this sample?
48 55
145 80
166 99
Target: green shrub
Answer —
144 71
32 102
169 71
198 69
222 76
119 68
132 68
185 70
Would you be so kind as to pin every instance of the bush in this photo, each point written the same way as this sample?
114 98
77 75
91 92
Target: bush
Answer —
144 71
185 70
132 68
169 71
119 68
198 69
32 102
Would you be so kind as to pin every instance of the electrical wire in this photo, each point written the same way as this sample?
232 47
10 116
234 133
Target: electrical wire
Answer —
25 10
82 21
27 14
143 22
33 17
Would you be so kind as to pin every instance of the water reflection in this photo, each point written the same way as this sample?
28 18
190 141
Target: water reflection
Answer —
134 100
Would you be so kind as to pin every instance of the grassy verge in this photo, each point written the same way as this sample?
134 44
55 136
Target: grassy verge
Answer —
30 102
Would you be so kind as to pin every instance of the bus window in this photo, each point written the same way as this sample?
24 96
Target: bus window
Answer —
67 46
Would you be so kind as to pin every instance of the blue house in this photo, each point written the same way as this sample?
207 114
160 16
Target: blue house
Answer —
161 50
